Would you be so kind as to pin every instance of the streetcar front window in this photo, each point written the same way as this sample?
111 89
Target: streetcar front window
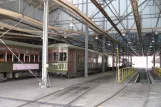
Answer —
63 56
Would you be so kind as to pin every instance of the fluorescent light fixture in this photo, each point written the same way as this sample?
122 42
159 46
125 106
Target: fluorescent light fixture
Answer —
123 34
153 41
2 28
71 24
96 37
65 36
156 32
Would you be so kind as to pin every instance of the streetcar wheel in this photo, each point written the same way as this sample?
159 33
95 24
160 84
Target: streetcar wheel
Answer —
2 77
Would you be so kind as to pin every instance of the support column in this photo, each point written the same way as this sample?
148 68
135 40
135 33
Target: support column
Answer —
131 61
86 51
154 61
146 61
103 58
86 44
117 61
45 45
113 58
160 59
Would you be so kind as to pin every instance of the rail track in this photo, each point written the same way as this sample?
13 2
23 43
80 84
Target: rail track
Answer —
84 86
115 94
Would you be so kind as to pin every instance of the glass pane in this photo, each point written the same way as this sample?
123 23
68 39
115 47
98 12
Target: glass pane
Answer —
63 56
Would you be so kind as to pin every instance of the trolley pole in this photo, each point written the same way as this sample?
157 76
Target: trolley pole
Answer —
45 45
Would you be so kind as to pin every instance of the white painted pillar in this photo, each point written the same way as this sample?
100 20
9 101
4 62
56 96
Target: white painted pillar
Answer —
45 44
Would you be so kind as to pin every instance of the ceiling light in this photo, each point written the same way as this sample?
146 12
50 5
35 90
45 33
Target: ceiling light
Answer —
123 34
96 37
153 40
65 36
129 42
151 46
71 24
109 44
156 32
2 28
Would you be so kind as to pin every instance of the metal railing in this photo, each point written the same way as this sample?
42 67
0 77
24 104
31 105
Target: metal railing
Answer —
157 71
124 73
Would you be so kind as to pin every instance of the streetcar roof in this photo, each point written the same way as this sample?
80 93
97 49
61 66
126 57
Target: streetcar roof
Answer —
20 44
64 45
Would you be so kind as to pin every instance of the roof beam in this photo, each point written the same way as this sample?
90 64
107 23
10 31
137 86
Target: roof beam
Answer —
109 19
134 4
34 21
73 9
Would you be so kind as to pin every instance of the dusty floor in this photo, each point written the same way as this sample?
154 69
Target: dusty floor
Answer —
79 92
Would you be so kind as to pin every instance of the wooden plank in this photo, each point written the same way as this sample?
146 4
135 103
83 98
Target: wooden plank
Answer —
33 21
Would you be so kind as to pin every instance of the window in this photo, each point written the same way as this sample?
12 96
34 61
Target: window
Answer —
49 57
27 58
63 56
55 58
31 58
9 57
36 58
15 58
22 57
2 57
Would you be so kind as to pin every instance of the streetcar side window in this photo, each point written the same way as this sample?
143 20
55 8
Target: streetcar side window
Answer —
27 59
32 58
2 57
22 57
55 58
49 57
15 58
36 58
9 57
63 56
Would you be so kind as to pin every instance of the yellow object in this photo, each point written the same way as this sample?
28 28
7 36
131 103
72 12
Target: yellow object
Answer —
157 71
124 73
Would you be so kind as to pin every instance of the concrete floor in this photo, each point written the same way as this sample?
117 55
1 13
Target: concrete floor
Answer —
23 93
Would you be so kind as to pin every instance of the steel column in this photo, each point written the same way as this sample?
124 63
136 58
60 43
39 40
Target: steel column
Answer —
103 58
113 60
153 60
86 44
160 59
86 51
134 4
45 44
